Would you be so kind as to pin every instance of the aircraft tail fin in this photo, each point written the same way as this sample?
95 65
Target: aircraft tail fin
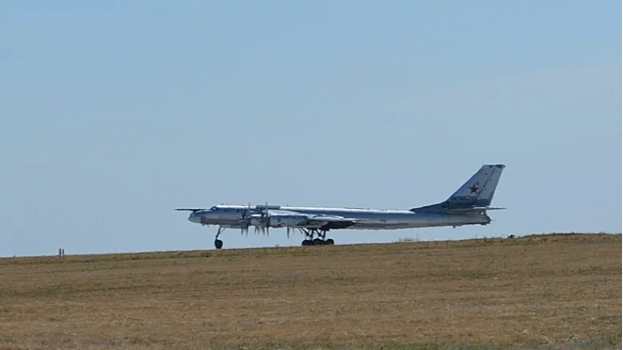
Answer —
478 191
474 196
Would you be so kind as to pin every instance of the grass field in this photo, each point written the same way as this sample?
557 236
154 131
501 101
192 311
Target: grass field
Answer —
536 292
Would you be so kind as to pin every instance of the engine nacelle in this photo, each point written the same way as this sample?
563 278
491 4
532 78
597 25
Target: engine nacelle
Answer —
286 220
276 220
236 226
257 220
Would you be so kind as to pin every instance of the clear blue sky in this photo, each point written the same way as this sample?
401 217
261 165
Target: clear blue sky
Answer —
114 113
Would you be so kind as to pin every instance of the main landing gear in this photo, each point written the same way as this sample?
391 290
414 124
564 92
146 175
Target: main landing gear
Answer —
321 237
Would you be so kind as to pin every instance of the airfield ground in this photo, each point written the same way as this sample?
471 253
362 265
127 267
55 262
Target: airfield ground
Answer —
537 292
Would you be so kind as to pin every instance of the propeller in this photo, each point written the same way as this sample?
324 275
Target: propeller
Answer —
288 227
244 228
266 215
264 221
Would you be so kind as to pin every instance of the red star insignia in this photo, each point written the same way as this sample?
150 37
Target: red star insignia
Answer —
474 189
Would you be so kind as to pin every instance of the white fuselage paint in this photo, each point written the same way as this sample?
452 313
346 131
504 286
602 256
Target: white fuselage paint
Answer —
370 219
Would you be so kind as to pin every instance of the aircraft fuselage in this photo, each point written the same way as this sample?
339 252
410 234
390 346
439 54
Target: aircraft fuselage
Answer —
232 216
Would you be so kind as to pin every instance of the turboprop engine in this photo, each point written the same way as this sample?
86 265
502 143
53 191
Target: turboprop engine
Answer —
276 220
286 220
242 226
258 220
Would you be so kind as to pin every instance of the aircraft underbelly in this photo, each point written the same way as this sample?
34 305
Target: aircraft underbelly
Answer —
402 224
387 220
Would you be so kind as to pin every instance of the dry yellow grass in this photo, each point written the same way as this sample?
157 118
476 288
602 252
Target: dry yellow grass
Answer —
554 291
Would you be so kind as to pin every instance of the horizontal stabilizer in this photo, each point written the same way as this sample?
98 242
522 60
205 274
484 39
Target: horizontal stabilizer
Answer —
189 209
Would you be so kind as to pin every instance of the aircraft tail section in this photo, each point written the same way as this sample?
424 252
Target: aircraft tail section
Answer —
478 191
474 196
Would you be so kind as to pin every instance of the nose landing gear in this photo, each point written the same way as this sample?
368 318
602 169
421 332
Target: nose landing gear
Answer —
218 244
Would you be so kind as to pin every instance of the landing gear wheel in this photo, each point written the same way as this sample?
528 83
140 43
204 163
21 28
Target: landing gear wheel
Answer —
306 242
329 241
317 241
218 244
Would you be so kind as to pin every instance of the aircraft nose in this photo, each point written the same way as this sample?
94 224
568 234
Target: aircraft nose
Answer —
193 218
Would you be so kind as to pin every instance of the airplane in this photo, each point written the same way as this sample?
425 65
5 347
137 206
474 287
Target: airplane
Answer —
467 206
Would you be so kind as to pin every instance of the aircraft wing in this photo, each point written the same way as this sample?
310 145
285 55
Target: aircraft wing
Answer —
330 221
286 218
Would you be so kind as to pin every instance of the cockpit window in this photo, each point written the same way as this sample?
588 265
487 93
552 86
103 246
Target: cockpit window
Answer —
213 208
